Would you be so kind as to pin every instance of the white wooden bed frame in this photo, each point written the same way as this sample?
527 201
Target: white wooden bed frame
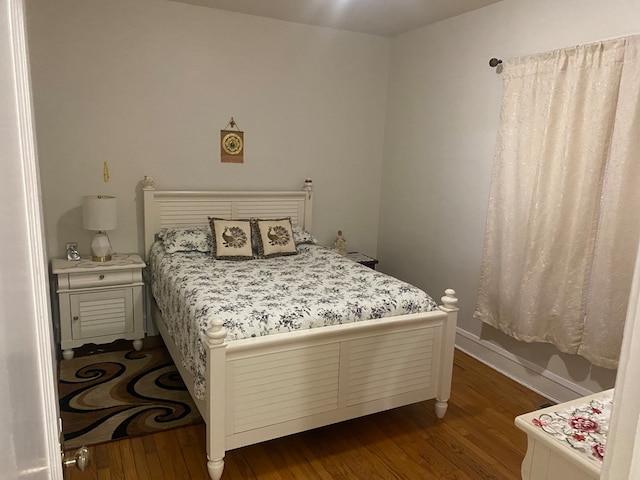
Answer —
277 385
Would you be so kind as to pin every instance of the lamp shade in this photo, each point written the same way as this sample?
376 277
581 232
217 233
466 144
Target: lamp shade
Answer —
99 212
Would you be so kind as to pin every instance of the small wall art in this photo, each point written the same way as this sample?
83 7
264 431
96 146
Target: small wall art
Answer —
231 143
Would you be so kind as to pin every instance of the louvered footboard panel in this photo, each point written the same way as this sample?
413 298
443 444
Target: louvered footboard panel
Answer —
393 364
327 379
285 386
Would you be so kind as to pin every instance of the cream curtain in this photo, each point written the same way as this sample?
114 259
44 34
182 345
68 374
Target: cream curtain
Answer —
564 208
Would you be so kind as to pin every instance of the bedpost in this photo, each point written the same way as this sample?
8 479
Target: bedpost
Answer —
216 397
149 236
449 305
308 204
148 190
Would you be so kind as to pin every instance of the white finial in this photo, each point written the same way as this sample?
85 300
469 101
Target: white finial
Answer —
449 300
308 186
148 182
216 333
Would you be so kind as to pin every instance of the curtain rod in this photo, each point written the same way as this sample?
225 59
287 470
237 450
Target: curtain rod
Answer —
494 62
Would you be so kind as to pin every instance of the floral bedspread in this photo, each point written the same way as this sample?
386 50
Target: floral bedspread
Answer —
582 426
315 288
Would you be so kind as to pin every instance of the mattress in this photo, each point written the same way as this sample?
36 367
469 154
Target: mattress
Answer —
315 288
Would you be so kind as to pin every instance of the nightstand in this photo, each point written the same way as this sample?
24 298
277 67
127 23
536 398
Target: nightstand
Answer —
99 301
363 259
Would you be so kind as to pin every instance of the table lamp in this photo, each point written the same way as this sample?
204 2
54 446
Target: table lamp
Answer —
99 214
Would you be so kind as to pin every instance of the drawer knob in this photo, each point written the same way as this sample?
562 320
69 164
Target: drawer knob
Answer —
75 319
101 276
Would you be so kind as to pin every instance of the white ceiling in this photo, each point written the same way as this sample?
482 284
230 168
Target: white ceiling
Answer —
378 17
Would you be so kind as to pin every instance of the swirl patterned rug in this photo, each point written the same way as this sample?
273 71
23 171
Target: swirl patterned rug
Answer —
114 395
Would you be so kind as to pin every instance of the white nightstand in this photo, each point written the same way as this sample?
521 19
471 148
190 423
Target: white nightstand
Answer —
99 302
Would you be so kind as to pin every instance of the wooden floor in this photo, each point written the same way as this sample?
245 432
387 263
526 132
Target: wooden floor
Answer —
476 439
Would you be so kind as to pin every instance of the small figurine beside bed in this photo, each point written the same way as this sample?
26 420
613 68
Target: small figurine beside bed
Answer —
340 244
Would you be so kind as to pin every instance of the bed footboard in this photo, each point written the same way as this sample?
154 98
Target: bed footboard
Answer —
269 387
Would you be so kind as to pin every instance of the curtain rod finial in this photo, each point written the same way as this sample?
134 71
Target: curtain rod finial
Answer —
494 62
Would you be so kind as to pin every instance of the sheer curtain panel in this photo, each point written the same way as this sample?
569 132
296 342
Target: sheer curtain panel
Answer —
563 223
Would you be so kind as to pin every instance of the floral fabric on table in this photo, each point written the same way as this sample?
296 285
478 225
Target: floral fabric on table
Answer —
315 288
583 426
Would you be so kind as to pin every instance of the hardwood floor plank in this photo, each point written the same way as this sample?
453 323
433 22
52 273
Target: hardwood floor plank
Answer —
149 444
115 461
296 452
476 440
288 462
192 451
348 452
236 467
155 467
104 474
140 459
469 458
309 443
262 462
172 463
397 454
426 461
128 460
100 455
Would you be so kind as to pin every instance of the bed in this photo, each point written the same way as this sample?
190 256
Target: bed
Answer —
250 385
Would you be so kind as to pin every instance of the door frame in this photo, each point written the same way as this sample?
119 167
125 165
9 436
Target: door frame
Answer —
30 397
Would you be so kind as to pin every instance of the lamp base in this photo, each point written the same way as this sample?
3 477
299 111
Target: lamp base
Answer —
101 248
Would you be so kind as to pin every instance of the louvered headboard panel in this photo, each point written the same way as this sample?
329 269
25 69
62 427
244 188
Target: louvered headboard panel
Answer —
164 208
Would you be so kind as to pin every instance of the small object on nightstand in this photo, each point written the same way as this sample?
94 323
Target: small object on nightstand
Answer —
99 213
362 259
72 252
99 301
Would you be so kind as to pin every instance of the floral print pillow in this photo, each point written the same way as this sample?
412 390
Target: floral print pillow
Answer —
186 239
301 236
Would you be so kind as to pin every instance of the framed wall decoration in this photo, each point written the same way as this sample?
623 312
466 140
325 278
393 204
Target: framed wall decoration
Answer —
231 143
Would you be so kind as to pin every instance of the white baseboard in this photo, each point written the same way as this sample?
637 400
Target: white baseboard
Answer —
532 376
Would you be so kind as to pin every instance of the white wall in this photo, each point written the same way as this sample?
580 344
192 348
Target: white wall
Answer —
442 117
147 85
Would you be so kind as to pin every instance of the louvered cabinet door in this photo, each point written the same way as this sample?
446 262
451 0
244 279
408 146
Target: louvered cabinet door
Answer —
100 314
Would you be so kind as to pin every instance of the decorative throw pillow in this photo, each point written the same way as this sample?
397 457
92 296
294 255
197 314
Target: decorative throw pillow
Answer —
275 237
186 239
231 239
300 236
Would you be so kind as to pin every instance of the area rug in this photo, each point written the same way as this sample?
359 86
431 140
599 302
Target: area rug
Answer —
114 395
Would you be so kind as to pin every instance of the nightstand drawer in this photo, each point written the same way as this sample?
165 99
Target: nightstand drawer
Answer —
100 279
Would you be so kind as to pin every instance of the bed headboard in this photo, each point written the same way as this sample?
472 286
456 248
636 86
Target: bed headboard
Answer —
167 208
